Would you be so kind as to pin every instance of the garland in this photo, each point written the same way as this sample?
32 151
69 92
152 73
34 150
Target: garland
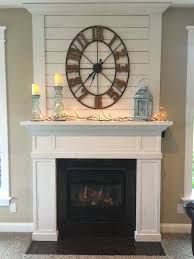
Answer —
160 116
76 116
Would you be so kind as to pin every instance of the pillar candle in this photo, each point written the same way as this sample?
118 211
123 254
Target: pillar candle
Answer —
58 79
35 89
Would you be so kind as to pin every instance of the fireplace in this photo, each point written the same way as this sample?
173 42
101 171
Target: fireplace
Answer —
131 148
96 196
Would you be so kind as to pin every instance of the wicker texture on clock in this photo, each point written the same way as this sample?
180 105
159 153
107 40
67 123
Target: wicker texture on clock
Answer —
97 67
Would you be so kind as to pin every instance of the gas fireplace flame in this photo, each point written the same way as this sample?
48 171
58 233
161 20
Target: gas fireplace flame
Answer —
94 196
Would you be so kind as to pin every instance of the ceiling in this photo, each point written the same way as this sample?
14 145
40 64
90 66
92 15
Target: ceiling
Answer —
18 3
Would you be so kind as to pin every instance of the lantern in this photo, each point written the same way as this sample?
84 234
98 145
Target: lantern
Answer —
143 102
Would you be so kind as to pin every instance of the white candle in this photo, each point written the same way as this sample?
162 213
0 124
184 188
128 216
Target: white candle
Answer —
35 89
58 79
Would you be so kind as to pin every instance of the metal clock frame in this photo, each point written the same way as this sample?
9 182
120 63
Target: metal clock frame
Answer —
112 53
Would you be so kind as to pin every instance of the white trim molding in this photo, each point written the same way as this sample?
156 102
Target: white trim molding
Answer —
4 151
28 227
175 228
20 3
16 227
97 8
189 116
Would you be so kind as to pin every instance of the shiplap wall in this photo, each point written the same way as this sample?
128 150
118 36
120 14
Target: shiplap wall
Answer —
60 30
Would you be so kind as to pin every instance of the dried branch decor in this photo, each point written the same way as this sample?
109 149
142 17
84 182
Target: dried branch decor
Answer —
160 116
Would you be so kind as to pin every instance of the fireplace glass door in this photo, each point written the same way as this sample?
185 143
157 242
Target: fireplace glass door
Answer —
96 194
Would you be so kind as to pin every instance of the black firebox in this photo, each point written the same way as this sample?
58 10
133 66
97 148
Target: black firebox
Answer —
96 196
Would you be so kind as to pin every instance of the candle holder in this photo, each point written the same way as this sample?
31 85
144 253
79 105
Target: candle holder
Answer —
36 113
59 109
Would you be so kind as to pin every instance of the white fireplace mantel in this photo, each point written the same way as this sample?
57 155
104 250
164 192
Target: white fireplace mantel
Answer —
20 3
138 140
100 127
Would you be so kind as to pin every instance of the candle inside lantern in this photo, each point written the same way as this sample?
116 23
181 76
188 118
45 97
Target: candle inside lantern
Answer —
35 89
58 79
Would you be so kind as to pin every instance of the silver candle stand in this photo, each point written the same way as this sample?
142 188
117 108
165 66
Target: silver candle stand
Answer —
36 112
59 108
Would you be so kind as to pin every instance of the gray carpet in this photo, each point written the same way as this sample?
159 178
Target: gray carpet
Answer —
14 246
92 257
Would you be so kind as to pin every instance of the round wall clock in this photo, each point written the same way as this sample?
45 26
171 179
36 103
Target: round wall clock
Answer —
97 67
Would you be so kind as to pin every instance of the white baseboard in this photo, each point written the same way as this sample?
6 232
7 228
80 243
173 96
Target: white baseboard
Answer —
175 228
45 236
28 227
142 237
16 227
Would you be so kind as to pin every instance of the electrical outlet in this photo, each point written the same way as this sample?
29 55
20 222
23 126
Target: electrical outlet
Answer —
180 209
12 207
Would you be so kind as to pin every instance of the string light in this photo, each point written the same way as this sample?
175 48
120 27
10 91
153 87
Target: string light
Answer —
160 116
77 117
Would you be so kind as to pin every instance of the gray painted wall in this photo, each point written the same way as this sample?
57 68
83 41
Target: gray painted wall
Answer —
19 79
173 92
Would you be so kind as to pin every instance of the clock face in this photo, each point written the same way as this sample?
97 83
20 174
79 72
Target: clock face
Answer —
97 67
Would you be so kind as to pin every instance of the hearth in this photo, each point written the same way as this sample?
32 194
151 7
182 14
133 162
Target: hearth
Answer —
96 196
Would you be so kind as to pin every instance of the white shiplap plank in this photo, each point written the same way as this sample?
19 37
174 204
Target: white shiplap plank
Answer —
133 80
87 112
63 45
136 69
39 57
86 21
59 32
124 33
129 92
72 103
55 57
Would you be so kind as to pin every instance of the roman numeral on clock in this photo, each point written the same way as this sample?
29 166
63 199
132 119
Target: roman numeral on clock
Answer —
113 94
97 33
120 83
119 54
84 92
74 54
113 40
122 68
75 81
81 39
72 68
98 102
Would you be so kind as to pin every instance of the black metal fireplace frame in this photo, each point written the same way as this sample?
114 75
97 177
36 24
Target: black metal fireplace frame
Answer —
125 225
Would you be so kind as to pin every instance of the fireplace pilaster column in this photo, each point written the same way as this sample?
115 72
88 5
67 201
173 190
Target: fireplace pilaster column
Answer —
148 200
44 200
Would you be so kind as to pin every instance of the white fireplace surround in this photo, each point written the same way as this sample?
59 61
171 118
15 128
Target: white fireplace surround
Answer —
90 139
54 26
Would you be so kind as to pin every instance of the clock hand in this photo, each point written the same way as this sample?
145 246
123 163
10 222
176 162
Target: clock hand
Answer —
97 51
100 63
97 85
93 68
92 79
84 81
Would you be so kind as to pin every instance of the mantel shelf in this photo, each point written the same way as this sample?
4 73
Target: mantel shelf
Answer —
97 127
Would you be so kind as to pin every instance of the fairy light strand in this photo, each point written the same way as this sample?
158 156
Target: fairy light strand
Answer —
160 116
